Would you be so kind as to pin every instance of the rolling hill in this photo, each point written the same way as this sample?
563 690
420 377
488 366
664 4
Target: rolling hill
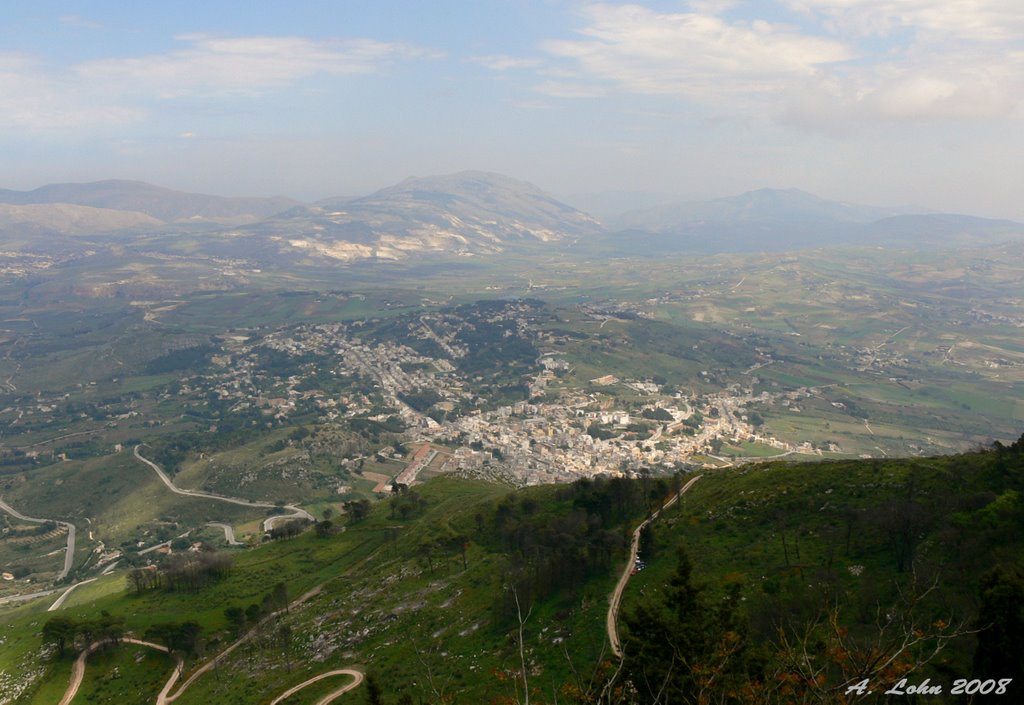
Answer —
164 204
70 219
776 220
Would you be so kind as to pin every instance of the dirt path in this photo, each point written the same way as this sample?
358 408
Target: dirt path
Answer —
78 670
60 438
330 697
616 596
296 512
165 697
29 596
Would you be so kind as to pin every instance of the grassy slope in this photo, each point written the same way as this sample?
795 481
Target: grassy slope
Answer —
112 495
838 519
383 608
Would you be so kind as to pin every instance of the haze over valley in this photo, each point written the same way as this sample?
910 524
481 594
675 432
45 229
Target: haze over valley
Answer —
661 353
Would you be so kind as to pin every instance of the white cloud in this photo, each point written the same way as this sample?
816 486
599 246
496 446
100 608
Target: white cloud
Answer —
953 60
503 62
956 89
117 91
693 54
981 20
242 65
848 64
31 96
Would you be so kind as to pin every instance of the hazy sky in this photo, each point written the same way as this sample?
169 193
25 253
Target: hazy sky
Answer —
889 102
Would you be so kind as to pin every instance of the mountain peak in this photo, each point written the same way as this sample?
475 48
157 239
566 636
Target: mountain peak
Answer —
468 211
471 184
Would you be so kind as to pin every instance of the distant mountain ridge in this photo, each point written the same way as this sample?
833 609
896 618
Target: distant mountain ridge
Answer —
790 219
71 219
165 204
468 212
462 214
767 204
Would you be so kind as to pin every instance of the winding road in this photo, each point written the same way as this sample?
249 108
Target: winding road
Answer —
616 597
78 675
69 553
165 697
78 670
229 533
330 697
268 523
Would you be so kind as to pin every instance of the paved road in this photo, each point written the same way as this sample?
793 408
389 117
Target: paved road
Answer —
60 600
29 596
163 543
78 670
229 532
296 512
69 553
330 697
616 596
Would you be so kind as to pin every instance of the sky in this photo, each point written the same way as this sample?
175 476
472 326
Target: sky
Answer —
886 102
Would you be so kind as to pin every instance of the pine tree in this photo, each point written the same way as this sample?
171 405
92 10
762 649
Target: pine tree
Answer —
374 694
1001 621
60 631
679 648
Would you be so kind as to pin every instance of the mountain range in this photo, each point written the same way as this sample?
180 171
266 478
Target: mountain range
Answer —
790 219
468 213
163 204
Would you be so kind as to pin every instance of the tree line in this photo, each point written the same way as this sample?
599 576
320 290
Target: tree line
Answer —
186 572
67 633
554 550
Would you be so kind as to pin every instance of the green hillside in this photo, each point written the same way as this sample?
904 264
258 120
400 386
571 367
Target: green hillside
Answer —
812 577
421 594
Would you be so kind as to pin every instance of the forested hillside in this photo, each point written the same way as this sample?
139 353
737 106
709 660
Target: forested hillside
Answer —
785 583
